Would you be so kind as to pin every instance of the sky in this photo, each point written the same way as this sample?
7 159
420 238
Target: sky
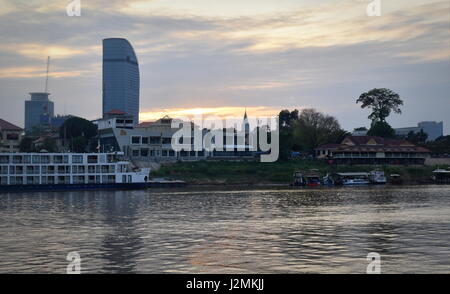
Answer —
222 56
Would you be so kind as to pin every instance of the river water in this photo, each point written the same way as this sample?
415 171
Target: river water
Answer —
239 230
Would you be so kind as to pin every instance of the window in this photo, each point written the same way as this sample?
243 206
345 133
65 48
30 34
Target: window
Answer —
144 140
17 159
36 159
57 159
4 159
77 158
167 140
144 152
135 140
155 140
13 137
92 159
135 153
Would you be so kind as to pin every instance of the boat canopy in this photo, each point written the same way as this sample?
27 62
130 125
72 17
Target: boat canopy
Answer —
353 174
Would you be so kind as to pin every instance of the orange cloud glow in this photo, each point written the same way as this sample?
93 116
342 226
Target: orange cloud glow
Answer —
222 112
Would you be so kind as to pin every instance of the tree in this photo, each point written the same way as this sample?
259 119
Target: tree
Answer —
439 146
76 132
418 138
26 144
287 118
286 121
381 129
49 144
79 144
382 102
77 127
313 129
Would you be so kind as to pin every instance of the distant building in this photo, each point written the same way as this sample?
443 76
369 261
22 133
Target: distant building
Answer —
432 128
38 110
10 136
115 119
53 122
120 78
57 121
373 150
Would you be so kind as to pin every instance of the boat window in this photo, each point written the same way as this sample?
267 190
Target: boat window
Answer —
77 158
4 158
92 159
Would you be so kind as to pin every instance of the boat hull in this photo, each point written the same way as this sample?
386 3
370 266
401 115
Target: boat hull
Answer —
73 187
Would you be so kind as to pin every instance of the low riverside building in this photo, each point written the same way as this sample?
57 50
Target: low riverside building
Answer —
372 150
10 136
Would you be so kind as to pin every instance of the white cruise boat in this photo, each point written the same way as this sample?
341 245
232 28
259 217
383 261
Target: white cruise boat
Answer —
69 171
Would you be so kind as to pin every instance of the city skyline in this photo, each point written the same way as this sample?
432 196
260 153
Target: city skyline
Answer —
219 58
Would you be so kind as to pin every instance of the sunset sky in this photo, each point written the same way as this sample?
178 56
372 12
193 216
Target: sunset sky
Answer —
219 56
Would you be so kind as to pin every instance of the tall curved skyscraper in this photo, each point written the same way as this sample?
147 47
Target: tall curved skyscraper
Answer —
120 77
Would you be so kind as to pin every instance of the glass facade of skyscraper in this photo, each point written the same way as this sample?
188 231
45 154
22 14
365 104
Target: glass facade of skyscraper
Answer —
37 108
120 78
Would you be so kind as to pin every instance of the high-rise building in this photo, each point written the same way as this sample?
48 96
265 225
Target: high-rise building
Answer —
38 107
432 128
120 78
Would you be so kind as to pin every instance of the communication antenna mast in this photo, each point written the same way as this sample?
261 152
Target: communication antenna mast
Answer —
46 78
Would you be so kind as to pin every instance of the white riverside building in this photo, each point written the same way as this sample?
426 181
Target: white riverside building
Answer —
69 170
152 141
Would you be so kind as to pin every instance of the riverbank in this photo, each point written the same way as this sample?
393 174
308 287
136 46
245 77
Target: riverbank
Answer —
257 173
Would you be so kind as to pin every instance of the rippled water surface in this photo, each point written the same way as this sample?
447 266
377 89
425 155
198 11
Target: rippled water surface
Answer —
241 230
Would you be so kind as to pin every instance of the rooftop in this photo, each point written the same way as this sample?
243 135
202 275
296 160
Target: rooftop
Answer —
374 144
7 126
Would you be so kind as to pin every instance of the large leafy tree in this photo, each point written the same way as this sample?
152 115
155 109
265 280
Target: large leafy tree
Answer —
314 128
77 127
381 129
382 102
76 132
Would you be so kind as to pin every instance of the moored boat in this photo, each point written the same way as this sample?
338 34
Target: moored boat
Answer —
377 177
69 171
312 178
441 176
299 180
352 179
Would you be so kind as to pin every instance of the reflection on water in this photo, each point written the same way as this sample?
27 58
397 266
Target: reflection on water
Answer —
241 231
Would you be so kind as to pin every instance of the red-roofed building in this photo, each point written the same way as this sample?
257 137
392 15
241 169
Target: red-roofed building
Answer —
373 150
10 136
